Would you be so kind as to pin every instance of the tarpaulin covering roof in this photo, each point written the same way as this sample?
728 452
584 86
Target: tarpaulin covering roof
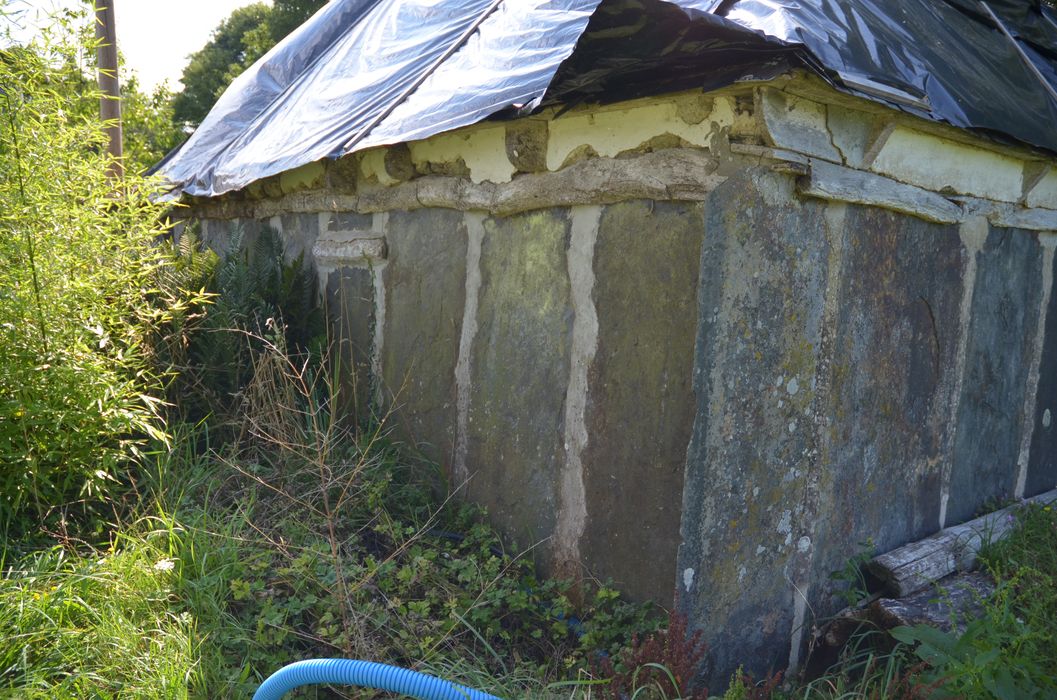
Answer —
363 73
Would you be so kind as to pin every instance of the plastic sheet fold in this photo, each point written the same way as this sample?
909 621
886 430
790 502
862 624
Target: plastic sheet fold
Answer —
363 73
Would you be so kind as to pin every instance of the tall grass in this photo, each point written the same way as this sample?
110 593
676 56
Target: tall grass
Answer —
95 625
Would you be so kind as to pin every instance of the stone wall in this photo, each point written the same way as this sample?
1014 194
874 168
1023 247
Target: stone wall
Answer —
860 376
705 345
543 359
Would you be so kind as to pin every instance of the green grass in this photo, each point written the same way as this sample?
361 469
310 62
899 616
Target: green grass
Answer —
100 624
219 578
197 599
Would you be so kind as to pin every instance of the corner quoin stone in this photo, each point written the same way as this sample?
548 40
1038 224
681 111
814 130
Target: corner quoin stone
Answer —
760 309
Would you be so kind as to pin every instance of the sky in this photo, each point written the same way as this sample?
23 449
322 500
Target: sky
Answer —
155 36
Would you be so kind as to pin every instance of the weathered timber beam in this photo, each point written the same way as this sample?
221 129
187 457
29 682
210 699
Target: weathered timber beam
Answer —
913 567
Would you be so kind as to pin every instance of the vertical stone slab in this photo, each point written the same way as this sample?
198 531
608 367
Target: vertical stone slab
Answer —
760 309
1042 462
219 234
1004 314
299 232
892 376
350 310
520 370
425 296
640 400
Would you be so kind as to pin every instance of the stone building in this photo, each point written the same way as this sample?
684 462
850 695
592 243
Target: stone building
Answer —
699 296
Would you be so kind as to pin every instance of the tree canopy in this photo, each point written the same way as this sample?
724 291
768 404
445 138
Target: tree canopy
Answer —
246 35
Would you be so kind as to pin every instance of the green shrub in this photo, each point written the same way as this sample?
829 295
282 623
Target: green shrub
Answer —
80 301
1011 650
332 543
256 293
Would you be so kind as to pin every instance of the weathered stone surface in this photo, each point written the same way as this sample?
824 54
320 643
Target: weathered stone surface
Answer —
1005 310
797 123
1042 463
219 234
640 400
520 367
300 232
349 221
673 173
425 282
893 372
892 375
763 276
828 181
350 310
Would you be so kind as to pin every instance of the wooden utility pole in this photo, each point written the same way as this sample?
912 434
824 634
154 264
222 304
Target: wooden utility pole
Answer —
110 89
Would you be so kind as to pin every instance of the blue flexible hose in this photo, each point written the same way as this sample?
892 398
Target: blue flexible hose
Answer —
365 674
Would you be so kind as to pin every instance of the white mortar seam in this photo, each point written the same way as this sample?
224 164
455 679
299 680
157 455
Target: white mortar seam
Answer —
474 224
572 496
973 234
379 223
799 613
378 337
1030 391
835 217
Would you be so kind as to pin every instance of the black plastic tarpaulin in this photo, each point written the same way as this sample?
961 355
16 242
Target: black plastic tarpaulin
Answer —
362 73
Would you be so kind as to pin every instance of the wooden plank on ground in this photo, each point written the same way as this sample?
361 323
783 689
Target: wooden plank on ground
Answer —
913 567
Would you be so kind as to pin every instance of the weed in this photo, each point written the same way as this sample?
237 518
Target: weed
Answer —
744 687
856 586
659 665
1011 650
101 625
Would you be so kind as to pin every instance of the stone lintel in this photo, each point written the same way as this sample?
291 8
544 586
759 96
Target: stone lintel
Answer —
837 183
